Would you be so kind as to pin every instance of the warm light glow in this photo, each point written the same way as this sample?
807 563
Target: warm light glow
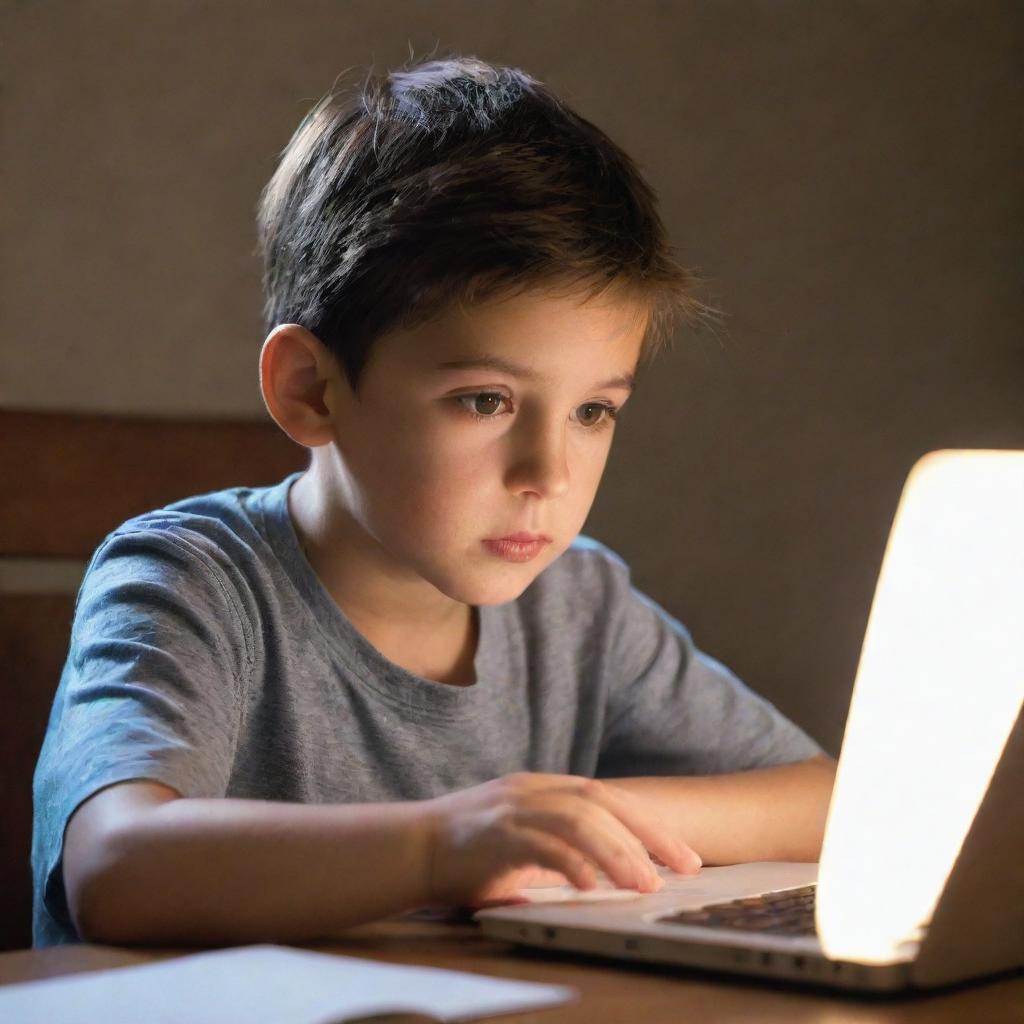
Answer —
939 685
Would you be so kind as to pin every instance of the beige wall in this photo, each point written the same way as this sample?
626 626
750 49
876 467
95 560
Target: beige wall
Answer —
846 174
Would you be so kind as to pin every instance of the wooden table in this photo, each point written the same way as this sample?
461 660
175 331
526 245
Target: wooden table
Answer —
610 992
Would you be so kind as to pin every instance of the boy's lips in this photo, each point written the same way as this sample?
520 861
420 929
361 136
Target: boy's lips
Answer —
521 538
517 547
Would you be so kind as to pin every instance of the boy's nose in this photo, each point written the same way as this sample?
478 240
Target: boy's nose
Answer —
539 462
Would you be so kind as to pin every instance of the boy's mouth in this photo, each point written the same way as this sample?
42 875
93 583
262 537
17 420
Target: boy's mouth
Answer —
523 537
519 547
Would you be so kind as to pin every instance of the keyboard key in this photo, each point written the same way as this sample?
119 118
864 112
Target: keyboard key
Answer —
787 912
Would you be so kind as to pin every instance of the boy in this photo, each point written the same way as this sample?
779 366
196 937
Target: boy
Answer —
393 680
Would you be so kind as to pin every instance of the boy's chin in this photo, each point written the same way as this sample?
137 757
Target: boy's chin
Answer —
495 587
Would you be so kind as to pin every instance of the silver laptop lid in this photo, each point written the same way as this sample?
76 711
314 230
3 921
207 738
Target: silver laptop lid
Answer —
938 689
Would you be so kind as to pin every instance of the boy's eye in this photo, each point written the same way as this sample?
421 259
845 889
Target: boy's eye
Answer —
485 405
596 413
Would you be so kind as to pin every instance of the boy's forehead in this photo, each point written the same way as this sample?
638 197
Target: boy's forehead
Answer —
515 335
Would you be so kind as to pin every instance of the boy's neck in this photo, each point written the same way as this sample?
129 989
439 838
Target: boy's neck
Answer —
413 625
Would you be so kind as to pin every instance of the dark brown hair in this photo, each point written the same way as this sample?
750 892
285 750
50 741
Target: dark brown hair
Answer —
453 181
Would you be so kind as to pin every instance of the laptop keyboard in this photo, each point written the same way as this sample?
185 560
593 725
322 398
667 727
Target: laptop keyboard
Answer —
788 912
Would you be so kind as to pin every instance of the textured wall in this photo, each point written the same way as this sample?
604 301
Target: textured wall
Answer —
845 174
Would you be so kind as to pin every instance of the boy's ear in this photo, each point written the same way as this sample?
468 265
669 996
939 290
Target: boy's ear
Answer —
301 384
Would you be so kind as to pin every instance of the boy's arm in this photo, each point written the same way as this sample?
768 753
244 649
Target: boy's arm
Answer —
143 865
763 814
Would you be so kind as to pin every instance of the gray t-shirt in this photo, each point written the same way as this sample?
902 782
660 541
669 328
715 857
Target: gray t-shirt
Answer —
207 655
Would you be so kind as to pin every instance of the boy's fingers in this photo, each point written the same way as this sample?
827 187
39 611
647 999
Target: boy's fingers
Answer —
536 877
597 835
539 847
651 831
648 833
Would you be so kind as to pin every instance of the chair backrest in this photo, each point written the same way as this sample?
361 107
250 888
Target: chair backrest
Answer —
67 481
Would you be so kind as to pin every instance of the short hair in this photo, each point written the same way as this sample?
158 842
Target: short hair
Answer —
454 181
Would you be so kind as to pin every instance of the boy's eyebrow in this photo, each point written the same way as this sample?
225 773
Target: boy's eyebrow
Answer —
625 380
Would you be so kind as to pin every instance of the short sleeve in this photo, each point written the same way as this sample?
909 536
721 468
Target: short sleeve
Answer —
151 689
674 710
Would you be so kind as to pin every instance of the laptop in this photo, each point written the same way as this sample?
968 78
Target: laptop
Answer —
921 878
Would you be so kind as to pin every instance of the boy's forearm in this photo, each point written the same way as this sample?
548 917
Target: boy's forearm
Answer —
765 814
234 871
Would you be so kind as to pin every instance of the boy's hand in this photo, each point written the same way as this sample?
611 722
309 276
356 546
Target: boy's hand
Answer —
533 829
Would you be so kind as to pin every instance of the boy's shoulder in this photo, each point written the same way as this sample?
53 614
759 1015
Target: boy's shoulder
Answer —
225 505
225 527
237 509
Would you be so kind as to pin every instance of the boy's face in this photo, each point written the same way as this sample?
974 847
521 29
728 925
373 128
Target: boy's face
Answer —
429 483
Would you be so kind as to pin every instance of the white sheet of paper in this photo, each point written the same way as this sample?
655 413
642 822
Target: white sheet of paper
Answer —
268 984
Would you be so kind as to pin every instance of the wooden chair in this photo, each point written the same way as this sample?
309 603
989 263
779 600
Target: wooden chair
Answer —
67 481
